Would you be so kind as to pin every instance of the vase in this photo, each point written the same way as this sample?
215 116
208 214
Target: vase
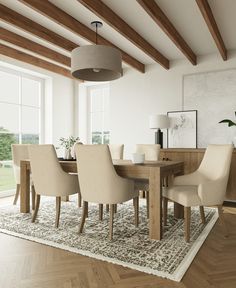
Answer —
67 154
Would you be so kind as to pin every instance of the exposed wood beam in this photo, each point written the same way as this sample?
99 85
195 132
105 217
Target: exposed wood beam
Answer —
62 18
155 12
109 16
24 23
25 43
22 56
212 26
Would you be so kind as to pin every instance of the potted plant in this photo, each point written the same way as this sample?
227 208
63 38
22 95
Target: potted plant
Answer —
230 124
68 143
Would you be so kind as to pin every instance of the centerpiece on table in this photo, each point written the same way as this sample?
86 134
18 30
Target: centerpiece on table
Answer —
230 124
68 144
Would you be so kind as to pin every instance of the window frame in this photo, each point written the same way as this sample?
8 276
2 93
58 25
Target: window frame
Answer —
21 75
89 112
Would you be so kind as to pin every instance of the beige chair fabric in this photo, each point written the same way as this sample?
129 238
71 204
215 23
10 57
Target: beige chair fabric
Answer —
49 177
20 152
151 151
209 181
99 182
204 187
117 151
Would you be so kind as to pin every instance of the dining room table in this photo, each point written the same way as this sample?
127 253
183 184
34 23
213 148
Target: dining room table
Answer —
153 172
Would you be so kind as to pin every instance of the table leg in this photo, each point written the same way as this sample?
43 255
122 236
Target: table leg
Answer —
24 188
155 204
178 211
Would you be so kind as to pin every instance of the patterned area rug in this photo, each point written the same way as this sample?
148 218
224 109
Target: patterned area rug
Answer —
130 247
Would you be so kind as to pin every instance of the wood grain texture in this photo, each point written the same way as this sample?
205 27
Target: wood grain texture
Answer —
212 26
155 12
22 56
116 22
32 46
26 264
54 13
10 16
192 159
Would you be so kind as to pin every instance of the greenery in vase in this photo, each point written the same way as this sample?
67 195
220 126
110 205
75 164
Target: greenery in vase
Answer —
68 142
229 122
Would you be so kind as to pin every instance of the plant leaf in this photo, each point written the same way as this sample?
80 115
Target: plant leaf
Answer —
230 123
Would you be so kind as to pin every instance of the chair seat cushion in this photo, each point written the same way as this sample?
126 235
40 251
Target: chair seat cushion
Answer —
184 195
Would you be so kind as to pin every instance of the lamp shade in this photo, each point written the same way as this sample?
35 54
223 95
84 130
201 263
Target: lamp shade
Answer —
159 121
96 63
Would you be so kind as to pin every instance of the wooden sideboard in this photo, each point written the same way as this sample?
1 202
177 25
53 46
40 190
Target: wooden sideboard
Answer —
192 159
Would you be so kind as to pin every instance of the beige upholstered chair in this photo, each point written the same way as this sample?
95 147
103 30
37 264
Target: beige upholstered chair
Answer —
152 152
117 151
204 187
20 152
49 177
99 182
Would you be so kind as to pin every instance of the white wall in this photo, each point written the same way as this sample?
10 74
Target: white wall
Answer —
59 102
135 96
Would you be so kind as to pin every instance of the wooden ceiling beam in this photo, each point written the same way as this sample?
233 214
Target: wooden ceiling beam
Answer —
24 23
212 26
22 56
110 17
155 12
32 46
51 11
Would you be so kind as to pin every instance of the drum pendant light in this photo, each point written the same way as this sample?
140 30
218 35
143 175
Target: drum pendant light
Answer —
96 62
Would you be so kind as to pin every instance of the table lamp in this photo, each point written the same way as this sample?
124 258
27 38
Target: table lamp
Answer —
159 122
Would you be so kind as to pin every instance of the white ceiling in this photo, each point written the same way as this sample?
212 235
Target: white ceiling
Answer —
184 14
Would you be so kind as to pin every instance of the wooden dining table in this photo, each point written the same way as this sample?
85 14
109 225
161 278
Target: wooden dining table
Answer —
153 172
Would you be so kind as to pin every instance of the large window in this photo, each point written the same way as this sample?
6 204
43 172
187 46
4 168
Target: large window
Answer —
20 117
99 114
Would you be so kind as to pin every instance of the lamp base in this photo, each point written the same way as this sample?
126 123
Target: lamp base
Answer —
159 137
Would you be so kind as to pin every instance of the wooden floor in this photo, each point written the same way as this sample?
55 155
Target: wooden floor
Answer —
27 264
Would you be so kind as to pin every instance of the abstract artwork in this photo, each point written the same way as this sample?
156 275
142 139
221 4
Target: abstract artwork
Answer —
213 95
183 129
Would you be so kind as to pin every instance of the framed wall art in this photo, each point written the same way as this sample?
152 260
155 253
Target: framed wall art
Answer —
183 129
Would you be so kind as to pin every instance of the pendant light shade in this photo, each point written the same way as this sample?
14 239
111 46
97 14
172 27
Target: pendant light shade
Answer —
96 63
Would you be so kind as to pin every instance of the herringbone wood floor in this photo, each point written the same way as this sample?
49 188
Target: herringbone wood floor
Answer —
25 264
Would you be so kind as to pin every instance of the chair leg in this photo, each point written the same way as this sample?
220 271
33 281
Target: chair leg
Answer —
202 214
136 211
115 208
147 201
17 194
222 220
58 211
165 209
37 203
84 215
187 219
79 199
111 221
100 212
107 207
33 197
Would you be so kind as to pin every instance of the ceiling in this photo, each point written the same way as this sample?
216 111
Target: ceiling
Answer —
185 15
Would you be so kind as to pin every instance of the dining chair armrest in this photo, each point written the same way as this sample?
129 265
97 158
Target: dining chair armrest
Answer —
212 192
194 178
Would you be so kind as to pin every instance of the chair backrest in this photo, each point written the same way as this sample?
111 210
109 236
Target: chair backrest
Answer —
151 151
47 173
99 182
117 151
216 161
19 152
